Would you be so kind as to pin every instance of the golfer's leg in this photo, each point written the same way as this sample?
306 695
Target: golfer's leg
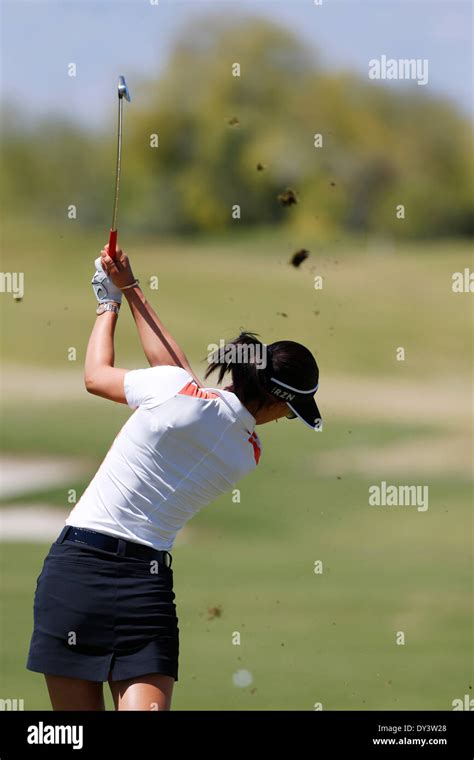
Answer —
150 692
75 694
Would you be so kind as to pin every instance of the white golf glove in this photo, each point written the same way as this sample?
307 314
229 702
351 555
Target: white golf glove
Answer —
103 287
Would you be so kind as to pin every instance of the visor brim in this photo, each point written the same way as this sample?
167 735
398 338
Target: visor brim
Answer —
307 411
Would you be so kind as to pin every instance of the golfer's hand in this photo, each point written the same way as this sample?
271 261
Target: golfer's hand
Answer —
118 269
103 287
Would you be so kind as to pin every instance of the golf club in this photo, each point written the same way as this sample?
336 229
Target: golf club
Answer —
123 92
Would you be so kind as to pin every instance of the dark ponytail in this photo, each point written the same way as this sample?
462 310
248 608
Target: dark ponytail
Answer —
245 359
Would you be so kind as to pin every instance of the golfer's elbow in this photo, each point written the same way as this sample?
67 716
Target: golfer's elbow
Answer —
95 377
94 380
90 382
106 382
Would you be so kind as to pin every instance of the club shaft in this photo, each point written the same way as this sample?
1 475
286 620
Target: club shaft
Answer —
118 167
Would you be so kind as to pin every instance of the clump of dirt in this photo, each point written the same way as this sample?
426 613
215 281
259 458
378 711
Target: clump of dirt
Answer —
214 612
233 121
261 167
298 257
288 197
282 314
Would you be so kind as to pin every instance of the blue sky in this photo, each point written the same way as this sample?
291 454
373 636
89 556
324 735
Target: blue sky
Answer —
109 37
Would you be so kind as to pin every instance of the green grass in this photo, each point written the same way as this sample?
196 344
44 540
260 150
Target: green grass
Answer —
370 303
306 638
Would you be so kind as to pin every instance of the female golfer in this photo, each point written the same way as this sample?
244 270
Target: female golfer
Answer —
104 608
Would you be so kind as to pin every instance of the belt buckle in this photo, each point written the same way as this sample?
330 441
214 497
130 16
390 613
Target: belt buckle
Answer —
167 559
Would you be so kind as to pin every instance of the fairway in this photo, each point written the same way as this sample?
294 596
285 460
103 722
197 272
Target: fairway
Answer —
247 564
373 299
305 638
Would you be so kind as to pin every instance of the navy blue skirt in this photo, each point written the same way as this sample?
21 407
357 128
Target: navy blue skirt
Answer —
99 615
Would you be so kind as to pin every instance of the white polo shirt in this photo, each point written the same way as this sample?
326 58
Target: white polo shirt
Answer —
183 447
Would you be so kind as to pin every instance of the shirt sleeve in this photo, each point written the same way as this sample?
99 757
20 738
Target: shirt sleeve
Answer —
150 387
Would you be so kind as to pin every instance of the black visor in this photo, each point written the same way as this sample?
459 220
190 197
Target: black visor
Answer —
295 383
307 410
300 402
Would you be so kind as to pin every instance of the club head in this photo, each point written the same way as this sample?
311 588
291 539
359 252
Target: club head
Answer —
123 89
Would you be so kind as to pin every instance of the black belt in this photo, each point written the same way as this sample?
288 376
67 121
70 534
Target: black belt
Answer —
115 545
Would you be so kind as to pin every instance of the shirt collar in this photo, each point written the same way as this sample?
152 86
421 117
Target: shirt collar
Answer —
245 417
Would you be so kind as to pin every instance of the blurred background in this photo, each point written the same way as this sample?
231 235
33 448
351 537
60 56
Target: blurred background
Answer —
306 637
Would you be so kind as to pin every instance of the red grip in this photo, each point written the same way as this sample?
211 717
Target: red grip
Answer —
112 243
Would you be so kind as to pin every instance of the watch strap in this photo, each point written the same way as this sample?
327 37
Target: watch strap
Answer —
108 306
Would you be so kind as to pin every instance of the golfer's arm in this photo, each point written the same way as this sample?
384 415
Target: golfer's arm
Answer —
159 347
100 376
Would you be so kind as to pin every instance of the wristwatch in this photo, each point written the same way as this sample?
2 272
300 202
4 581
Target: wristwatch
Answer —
108 306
